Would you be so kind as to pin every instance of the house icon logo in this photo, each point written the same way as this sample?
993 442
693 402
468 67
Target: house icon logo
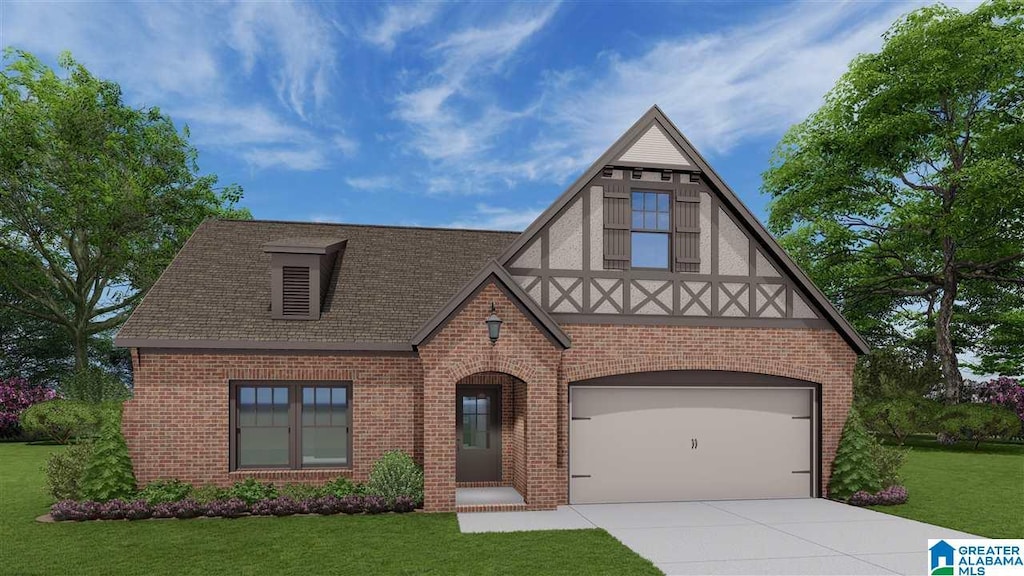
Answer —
941 559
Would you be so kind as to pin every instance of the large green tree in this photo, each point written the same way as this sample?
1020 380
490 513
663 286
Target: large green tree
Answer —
96 197
903 195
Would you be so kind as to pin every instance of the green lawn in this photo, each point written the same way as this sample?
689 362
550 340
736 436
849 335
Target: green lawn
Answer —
977 491
388 544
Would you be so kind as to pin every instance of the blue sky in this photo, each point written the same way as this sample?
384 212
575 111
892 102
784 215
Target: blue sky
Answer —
468 115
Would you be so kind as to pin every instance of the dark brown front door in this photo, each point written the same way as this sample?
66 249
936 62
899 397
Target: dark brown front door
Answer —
478 429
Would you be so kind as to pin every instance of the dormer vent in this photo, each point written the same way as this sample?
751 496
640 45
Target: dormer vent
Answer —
300 271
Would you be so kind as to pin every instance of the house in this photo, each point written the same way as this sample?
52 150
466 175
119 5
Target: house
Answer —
655 344
941 557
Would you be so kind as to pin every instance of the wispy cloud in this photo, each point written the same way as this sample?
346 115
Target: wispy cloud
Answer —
204 65
488 217
371 183
399 19
443 109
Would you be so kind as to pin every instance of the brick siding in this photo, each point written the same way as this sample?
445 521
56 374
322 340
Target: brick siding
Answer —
176 425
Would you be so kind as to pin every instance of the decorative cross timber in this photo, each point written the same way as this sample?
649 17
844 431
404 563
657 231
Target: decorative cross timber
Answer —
777 293
732 298
651 296
606 295
695 298
565 294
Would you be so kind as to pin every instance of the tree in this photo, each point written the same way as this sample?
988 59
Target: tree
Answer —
903 195
96 197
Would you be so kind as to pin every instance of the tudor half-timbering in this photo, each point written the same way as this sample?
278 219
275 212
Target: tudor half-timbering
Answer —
656 344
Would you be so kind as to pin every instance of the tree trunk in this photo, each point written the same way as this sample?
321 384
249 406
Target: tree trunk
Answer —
80 341
952 380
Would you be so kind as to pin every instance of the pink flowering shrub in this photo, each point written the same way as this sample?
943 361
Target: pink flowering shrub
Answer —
16 394
1005 392
890 496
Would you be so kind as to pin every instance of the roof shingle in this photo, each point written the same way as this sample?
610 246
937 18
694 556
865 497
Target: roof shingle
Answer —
388 282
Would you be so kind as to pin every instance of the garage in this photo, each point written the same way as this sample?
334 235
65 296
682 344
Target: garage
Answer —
675 436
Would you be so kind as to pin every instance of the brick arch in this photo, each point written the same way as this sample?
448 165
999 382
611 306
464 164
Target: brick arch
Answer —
477 363
724 362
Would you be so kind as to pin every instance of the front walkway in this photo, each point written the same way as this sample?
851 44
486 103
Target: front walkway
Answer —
806 536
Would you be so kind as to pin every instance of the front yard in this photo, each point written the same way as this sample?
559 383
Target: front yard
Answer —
387 544
977 491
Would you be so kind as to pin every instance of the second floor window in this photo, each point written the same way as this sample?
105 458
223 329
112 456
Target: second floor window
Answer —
650 231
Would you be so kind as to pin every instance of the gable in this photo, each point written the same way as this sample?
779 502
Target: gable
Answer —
652 148
714 263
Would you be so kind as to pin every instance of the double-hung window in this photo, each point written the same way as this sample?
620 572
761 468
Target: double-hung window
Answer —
291 425
650 233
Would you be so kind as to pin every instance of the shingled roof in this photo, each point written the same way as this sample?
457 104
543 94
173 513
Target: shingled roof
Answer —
387 283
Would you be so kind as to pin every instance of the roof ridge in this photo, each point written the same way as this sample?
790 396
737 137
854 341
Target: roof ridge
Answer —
398 226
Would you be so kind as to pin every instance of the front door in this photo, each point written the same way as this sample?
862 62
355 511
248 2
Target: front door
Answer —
478 429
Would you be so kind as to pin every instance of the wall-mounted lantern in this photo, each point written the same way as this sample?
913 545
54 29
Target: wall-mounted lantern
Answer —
493 326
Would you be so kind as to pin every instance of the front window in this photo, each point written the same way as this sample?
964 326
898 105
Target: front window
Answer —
291 425
650 235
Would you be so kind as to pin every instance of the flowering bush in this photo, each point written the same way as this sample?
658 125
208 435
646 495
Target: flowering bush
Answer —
165 510
1005 392
73 510
16 394
188 508
351 504
891 496
113 510
325 505
404 504
230 508
283 506
375 504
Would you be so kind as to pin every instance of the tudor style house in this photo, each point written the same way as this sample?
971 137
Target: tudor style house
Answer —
655 344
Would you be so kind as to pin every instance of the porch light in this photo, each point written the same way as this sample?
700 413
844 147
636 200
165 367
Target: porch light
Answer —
493 325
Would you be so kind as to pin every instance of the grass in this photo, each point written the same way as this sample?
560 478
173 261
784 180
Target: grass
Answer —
387 544
977 491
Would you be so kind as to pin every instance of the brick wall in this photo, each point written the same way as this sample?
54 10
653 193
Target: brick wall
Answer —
177 423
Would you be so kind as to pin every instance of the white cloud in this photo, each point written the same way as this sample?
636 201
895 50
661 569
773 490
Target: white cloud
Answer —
348 146
399 19
371 183
185 58
456 131
487 217
292 159
325 218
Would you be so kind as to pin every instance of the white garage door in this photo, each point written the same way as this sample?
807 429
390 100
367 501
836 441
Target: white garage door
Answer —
658 444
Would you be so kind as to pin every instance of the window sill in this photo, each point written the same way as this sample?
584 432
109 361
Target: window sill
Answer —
290 474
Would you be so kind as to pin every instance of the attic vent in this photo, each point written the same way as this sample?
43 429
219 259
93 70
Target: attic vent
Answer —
295 291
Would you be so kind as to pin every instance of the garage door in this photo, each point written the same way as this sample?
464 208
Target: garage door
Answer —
655 444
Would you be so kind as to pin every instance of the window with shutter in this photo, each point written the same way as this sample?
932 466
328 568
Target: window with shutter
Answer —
295 291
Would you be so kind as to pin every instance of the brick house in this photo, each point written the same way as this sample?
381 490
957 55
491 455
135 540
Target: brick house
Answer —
655 344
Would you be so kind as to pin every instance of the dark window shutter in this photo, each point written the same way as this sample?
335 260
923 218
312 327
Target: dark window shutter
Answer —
687 232
295 291
616 227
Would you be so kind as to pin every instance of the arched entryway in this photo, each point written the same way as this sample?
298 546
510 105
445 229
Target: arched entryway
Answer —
490 439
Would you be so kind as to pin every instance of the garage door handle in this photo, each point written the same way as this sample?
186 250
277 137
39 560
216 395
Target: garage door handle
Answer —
581 418
801 417
801 471
580 476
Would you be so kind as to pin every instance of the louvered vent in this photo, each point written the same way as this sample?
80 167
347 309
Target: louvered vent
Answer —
295 291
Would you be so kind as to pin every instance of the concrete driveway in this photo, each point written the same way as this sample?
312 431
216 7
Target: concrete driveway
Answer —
806 536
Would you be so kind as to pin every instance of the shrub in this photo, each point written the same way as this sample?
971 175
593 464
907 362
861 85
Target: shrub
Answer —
64 470
75 510
945 439
899 417
375 504
396 474
404 504
252 491
16 395
230 508
113 510
188 508
854 468
891 496
283 506
60 420
351 504
978 422
94 386
300 492
324 505
340 487
1005 392
208 493
163 491
165 510
109 474
889 461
